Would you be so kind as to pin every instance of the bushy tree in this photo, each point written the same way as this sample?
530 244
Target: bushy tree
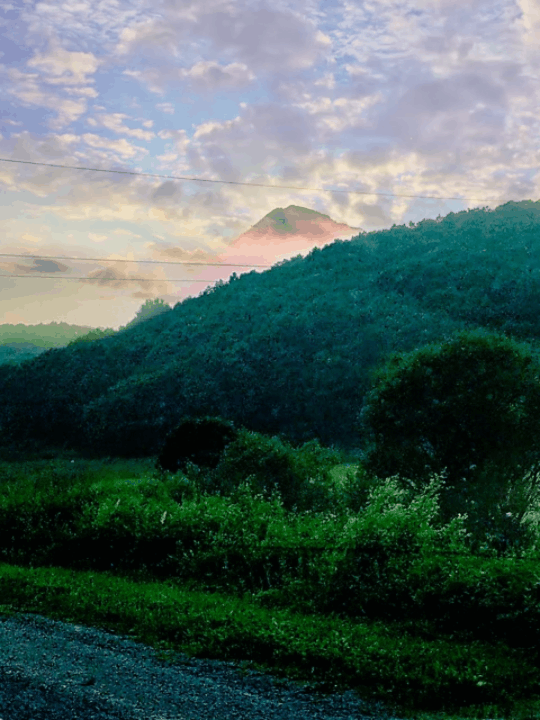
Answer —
470 405
301 476
151 308
197 440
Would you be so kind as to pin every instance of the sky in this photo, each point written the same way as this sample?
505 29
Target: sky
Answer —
387 99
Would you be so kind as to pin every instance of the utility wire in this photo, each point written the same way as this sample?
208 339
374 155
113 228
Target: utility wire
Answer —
115 279
157 262
232 182
173 177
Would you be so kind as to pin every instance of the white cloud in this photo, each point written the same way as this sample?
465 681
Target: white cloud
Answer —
114 122
62 67
424 98
26 89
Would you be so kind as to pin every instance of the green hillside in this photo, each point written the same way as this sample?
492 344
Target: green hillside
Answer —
288 350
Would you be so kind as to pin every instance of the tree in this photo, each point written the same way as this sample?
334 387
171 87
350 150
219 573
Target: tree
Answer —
95 334
470 405
148 310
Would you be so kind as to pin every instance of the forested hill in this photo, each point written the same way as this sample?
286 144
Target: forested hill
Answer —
24 342
288 350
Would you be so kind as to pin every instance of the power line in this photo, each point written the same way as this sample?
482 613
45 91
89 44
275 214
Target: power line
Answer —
232 182
58 277
173 177
156 262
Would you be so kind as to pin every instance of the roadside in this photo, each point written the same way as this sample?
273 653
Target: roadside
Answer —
52 670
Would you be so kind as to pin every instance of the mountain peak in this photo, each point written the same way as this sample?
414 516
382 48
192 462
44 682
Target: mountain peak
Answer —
284 233
293 219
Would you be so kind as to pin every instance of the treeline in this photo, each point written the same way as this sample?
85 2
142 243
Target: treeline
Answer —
19 343
41 336
290 350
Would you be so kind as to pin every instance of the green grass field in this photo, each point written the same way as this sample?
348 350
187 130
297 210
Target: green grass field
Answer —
408 615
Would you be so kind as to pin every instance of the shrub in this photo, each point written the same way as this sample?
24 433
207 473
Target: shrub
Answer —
469 405
356 488
270 464
199 441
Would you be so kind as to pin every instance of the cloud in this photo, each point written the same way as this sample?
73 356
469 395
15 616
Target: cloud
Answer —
114 123
61 67
431 98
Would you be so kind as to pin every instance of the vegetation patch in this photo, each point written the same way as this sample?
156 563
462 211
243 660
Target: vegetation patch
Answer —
301 565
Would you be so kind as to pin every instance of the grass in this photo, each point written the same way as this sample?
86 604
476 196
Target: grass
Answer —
408 616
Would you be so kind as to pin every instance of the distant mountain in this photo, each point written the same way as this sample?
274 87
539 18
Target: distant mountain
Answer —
298 220
289 231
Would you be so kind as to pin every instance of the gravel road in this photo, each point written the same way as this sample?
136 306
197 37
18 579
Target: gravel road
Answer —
51 670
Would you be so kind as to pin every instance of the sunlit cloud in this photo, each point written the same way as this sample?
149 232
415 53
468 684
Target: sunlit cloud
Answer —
411 99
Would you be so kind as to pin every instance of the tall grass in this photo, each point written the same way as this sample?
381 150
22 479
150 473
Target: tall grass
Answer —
365 590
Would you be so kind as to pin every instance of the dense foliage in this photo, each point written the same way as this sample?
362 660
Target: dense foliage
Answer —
269 464
288 350
384 600
470 407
